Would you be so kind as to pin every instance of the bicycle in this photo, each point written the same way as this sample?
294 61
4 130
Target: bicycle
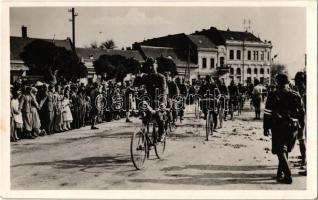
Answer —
142 142
209 123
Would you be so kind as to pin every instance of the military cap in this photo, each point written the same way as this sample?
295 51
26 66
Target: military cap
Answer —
281 79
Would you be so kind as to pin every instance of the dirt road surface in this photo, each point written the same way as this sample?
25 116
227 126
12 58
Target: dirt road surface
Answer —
237 156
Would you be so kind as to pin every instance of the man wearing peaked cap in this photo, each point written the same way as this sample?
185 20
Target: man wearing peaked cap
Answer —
284 117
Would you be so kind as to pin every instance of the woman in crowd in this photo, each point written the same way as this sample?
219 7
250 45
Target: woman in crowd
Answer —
36 123
16 116
66 112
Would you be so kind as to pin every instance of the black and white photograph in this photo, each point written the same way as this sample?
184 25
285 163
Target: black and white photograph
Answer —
161 98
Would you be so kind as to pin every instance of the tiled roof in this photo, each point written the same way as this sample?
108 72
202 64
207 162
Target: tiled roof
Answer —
86 53
177 55
17 45
219 37
240 36
201 41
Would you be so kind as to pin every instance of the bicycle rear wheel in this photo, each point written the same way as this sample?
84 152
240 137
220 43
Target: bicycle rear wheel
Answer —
138 149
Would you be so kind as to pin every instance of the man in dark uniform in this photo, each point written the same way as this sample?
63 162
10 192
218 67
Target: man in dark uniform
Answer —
210 92
157 90
284 116
173 97
233 92
94 96
183 92
300 87
223 101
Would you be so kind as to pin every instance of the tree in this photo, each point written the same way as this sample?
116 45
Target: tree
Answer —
277 69
109 44
164 65
54 63
94 45
115 66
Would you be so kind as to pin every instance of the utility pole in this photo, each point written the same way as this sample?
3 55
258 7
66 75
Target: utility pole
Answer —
72 10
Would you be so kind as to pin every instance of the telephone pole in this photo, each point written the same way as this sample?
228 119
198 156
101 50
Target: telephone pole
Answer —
72 10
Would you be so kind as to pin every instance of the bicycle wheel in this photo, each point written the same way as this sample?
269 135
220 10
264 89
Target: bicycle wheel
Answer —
208 126
138 149
160 148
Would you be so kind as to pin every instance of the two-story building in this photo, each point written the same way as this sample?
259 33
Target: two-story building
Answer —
227 55
247 56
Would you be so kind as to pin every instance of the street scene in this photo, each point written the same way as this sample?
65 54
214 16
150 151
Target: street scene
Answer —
139 98
236 157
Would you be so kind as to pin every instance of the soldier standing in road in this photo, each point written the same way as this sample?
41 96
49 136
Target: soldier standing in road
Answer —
300 87
284 116
94 108
257 98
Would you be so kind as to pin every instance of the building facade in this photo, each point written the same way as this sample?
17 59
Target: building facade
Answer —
226 55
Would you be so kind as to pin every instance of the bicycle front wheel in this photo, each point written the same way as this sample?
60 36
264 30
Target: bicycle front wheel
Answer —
138 149
208 126
160 148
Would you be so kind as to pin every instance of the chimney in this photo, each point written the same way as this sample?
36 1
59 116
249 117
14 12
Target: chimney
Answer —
24 31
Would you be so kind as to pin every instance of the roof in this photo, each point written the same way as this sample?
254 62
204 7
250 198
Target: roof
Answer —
202 41
219 37
87 53
177 55
17 45
240 36
18 67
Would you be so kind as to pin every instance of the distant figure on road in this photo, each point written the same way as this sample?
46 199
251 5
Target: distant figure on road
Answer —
257 98
284 116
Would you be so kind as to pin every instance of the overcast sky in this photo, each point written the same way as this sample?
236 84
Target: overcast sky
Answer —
285 27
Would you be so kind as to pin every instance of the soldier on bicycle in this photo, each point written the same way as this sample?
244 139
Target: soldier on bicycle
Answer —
210 93
156 93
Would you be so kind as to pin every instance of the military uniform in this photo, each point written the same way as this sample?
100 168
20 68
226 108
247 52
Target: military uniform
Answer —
284 115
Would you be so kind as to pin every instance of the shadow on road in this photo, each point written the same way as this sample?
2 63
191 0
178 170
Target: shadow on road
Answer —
104 162
219 178
220 168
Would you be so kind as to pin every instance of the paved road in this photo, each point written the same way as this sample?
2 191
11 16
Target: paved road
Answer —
237 157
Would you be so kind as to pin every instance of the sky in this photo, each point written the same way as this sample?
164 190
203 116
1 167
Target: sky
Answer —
284 26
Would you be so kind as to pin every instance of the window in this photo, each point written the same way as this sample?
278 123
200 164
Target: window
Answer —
249 55
238 54
212 64
261 71
249 71
231 70
267 70
262 80
255 71
203 62
262 55
222 61
256 55
231 54
249 80
238 71
268 56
